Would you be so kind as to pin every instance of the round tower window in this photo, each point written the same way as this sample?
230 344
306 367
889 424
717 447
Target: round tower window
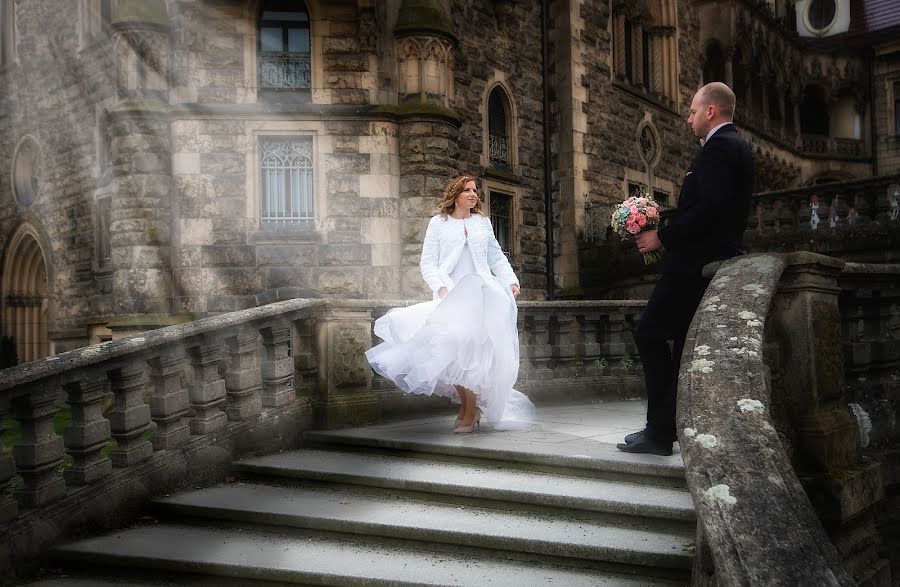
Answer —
25 170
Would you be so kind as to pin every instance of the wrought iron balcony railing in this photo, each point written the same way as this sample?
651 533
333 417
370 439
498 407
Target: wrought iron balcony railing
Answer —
282 70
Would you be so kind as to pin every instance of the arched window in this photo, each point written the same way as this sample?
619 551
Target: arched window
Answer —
644 48
499 144
284 54
814 119
714 64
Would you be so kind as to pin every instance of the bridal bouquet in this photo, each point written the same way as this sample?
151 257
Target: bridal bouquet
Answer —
637 213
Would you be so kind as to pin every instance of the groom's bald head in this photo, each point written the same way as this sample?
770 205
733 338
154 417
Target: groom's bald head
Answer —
720 96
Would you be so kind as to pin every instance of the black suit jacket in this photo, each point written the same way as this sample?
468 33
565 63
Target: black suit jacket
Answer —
708 223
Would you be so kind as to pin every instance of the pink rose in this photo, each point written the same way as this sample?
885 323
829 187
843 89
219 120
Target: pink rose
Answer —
634 210
652 212
641 221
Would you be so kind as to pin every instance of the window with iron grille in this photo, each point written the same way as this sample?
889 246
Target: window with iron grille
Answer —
284 55
501 213
286 194
498 133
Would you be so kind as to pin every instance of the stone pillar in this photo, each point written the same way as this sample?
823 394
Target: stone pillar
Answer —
129 418
428 130
88 432
343 395
142 203
808 389
729 67
40 451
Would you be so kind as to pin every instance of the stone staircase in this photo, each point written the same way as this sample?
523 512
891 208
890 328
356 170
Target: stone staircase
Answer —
408 504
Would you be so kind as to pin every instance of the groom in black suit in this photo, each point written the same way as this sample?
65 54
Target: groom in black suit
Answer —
707 225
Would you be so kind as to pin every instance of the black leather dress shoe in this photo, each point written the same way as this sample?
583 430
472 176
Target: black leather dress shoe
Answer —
646 445
629 438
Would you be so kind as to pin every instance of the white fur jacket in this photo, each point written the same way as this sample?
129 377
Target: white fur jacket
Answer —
445 240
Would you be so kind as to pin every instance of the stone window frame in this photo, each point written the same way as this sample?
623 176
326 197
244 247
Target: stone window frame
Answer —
103 142
17 171
893 105
653 184
9 35
514 193
103 238
317 32
91 22
498 80
660 18
321 148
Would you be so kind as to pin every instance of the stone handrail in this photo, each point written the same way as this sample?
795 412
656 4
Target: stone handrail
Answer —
755 524
172 406
830 205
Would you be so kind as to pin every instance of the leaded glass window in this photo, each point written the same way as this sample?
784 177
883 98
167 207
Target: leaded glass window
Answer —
498 134
286 166
501 208
284 54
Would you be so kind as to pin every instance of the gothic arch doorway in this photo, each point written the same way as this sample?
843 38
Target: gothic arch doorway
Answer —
24 298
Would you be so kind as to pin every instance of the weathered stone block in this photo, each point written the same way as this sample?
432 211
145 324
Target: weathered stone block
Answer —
345 255
229 256
285 255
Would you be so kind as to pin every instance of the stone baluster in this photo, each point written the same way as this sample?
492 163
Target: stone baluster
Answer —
306 360
539 347
208 389
88 433
169 403
242 381
40 451
566 337
129 418
588 345
612 344
9 509
277 366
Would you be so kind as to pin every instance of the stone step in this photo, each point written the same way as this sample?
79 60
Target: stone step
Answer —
320 560
354 512
479 482
527 448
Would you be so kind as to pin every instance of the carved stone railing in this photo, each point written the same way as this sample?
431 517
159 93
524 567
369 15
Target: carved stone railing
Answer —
170 407
174 406
759 437
584 348
853 220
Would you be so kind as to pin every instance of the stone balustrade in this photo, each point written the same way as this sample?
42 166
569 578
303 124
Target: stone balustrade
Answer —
855 220
152 412
771 445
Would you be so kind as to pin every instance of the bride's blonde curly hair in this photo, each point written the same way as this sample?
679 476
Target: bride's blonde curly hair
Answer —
455 187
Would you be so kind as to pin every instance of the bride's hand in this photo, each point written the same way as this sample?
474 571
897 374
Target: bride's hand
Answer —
515 290
442 293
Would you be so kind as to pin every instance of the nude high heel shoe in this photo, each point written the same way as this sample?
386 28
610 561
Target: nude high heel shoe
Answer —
476 423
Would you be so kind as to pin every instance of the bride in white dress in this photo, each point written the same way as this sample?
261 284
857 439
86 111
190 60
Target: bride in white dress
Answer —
463 344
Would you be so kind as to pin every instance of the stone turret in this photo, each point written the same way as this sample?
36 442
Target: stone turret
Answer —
141 227
424 43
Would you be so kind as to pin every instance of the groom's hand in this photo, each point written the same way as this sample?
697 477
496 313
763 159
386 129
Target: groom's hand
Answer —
647 241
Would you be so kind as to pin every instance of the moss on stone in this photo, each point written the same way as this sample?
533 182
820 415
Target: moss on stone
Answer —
143 12
423 16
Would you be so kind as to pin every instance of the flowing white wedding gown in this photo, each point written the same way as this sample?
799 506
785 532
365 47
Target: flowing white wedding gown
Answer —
469 338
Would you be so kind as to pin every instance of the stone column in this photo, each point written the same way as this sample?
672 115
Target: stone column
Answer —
277 366
343 395
208 389
808 389
169 402
729 67
243 381
142 202
428 128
